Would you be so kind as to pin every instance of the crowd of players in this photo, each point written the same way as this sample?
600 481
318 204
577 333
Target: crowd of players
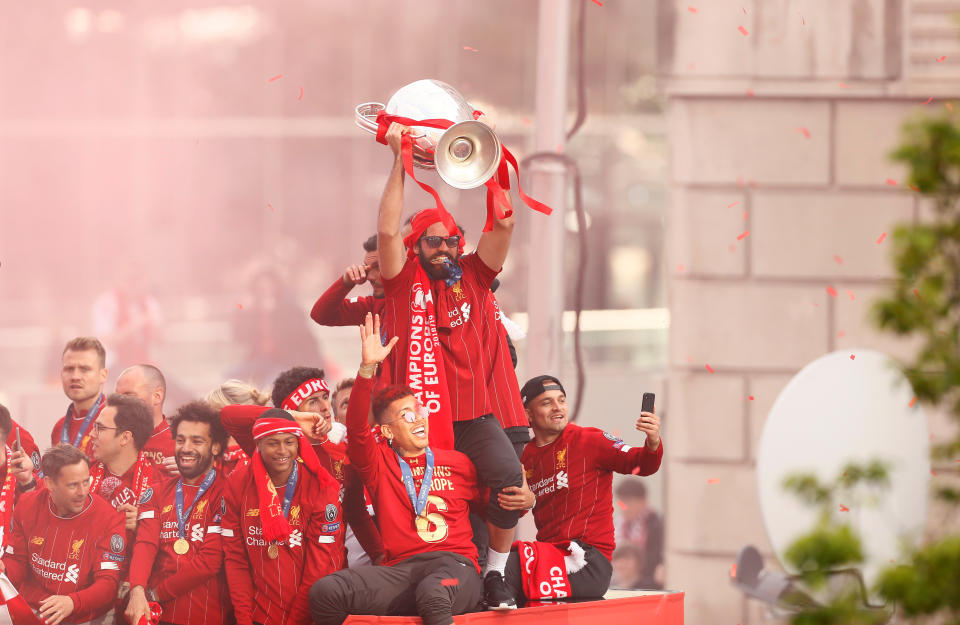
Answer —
396 494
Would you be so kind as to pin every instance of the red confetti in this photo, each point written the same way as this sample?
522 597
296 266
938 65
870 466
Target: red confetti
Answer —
837 259
842 86
941 59
692 9
733 570
891 182
270 206
732 248
709 368
913 188
734 204
450 581
803 130
598 3
300 97
743 235
832 292
468 48
917 293
275 78
680 268
841 334
933 473
912 402
882 237
621 505
744 215
744 10
850 293
713 480
750 398
526 121
852 357
743 31
636 470
843 508
929 100
239 306
751 94
803 22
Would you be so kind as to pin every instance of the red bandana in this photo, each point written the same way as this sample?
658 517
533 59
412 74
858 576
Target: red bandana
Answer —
6 502
275 525
141 478
308 388
420 222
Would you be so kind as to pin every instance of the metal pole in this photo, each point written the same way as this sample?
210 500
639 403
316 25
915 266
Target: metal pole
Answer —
545 284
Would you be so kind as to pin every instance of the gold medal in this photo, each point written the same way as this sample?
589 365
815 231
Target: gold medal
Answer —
273 551
181 546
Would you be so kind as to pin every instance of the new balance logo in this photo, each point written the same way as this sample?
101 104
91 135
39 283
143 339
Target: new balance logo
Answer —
562 480
296 538
73 574
196 532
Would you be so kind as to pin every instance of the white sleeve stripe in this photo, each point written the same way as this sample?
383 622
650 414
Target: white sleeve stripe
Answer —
626 448
227 532
145 515
213 529
109 566
326 539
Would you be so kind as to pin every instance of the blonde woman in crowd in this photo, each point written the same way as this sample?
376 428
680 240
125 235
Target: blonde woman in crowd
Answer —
231 393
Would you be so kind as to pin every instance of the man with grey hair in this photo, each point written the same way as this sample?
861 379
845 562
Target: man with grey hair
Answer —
146 383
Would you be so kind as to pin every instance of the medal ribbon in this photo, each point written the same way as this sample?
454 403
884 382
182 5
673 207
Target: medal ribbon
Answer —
181 515
288 491
65 430
6 502
417 500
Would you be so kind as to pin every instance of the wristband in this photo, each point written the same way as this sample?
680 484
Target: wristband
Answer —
23 488
367 371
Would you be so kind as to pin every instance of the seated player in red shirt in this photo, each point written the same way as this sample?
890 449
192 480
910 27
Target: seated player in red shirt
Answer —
570 470
66 546
422 494
122 473
331 309
178 557
303 393
282 529
17 475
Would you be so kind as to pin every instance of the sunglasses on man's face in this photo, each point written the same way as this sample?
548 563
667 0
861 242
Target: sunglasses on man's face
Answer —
433 241
410 416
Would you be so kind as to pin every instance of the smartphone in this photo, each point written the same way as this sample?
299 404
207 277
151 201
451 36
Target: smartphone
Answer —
647 403
19 444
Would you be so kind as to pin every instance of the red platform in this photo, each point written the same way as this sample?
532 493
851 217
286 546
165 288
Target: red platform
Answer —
646 608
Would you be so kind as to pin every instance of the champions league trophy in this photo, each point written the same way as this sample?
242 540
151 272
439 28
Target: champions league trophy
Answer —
466 155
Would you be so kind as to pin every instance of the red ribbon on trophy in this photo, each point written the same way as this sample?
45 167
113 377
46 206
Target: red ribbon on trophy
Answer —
498 206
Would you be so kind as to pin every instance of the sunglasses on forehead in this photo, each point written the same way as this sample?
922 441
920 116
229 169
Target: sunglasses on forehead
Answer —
410 416
434 241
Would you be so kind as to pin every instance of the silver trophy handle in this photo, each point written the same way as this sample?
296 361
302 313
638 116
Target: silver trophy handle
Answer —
365 116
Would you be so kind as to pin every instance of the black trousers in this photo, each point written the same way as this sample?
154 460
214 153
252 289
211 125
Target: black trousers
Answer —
590 582
433 585
492 452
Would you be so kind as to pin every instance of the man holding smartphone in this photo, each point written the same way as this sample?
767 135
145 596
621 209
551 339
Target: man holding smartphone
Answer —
570 470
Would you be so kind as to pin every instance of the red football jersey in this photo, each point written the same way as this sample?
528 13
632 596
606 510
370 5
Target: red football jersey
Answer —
238 421
454 485
161 445
332 309
119 489
79 556
191 588
75 422
471 336
572 478
275 591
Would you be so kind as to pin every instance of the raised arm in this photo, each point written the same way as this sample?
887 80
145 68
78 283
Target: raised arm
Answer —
389 241
493 246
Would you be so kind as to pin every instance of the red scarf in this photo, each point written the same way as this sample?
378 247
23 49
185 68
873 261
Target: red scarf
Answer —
141 477
6 502
423 366
275 525
543 570
233 458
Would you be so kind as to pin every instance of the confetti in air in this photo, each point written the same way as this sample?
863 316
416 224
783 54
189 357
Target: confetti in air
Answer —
743 31
470 49
841 334
300 97
750 398
680 268
941 59
912 402
891 182
239 306
929 100
743 235
275 78
692 9
850 293
853 356
843 508
598 3
713 480
450 581
832 292
803 130
733 570
709 368
837 259
883 236
621 505
734 204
